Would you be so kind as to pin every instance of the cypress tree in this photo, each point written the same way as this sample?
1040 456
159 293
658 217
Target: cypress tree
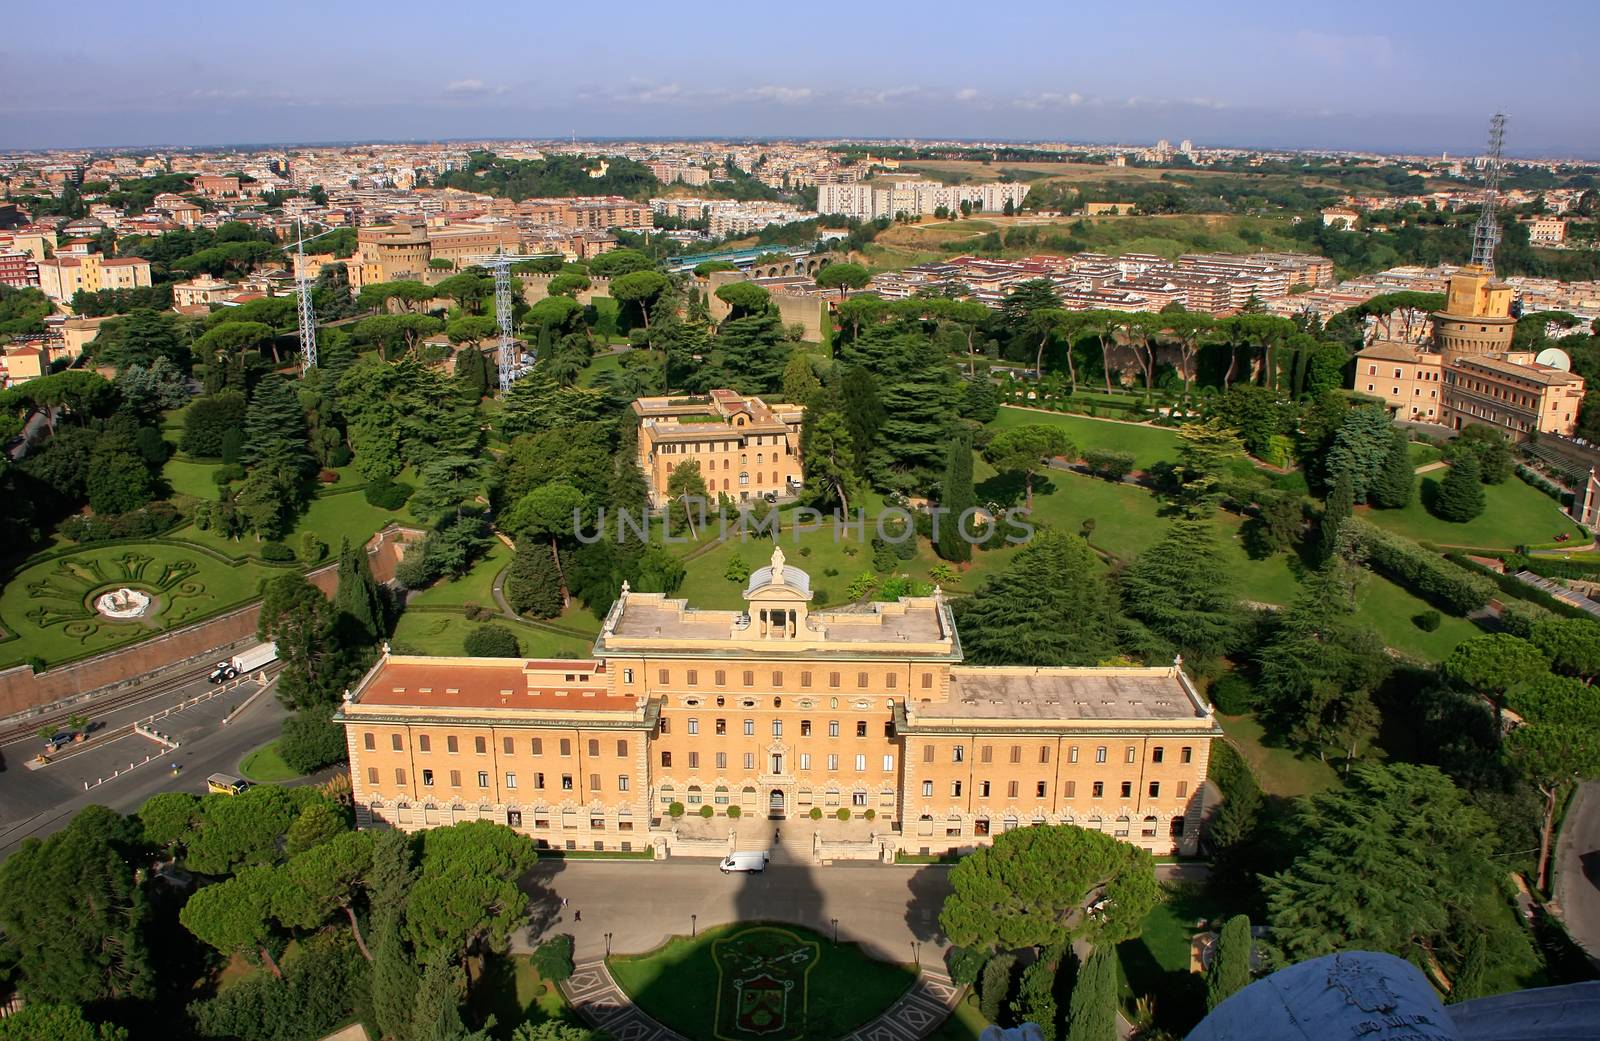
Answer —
996 986
1335 511
1393 487
1229 970
357 602
275 426
1179 588
1035 1001
956 496
1461 495
533 587
1092 1013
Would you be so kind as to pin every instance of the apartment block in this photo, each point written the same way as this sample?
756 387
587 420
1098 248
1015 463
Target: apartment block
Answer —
742 447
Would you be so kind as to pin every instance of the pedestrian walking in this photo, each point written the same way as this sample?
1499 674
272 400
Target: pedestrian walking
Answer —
775 832
577 916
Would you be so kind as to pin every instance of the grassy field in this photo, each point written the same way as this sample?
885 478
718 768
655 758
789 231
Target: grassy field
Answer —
1278 770
1149 445
966 1023
1515 515
49 606
265 766
1390 609
1157 961
1169 235
332 515
444 633
681 986
1125 516
190 478
513 992
475 587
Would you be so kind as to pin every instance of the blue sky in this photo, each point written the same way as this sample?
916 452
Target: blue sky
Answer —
1393 76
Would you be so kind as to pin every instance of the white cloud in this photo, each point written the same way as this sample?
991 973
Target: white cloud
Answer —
782 95
469 88
967 94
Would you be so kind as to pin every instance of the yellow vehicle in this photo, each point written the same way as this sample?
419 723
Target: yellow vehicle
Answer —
226 784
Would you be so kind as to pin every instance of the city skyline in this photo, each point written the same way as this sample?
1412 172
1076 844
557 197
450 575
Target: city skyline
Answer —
1256 76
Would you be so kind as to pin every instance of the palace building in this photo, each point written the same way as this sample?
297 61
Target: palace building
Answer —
782 712
742 447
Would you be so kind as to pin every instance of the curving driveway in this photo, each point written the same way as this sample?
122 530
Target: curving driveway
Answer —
1577 889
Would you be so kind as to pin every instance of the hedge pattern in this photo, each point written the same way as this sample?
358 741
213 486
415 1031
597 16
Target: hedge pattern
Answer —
1430 577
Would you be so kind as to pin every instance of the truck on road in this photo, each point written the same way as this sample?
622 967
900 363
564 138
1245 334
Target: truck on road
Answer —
244 662
754 861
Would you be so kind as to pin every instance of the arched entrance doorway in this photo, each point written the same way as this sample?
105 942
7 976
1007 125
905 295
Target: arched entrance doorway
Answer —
775 804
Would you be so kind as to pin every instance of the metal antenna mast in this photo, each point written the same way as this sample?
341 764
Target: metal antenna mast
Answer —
500 264
308 318
1486 235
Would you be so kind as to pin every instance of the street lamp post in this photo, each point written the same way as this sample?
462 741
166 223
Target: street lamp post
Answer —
916 953
693 928
608 945
835 923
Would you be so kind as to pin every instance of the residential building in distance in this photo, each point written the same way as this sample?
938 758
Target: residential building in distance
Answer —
1546 230
65 275
19 270
783 711
916 198
744 447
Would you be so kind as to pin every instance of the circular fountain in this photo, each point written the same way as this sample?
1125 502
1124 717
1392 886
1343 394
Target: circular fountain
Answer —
124 604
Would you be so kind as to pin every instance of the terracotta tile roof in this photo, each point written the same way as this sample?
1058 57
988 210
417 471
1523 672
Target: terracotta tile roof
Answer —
491 683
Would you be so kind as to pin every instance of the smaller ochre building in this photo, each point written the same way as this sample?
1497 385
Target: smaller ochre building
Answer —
744 448
783 713
1471 374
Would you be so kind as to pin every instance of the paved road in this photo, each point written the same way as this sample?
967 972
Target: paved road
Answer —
641 903
1578 869
35 803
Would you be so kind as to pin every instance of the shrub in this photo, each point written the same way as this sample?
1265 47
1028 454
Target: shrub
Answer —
816 813
1108 463
805 551
871 814
1233 695
227 473
387 494
707 812
735 812
995 986
492 641
843 813
1431 577
317 993
312 548
276 551
311 741
675 810
148 520
37 664
965 964
553 958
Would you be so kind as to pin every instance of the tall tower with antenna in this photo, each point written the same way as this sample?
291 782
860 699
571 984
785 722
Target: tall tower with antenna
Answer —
306 315
1486 235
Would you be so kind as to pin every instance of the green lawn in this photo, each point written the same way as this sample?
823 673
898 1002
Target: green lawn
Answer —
190 478
1515 515
513 992
333 515
49 606
1278 770
1422 454
1149 445
444 633
1156 963
475 587
265 766
966 1023
1125 516
681 985
1390 609
1271 580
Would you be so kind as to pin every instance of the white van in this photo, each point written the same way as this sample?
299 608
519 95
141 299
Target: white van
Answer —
755 861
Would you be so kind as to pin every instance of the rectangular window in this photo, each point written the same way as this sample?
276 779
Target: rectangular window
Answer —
627 675
692 678
455 778
622 749
861 764
1183 789
1130 755
694 726
927 680
1044 753
594 748
927 753
888 764
749 728
749 678
805 728
1072 789
622 782
777 728
661 676
858 798
833 679
722 760
480 745
450 745
927 789
666 758
1100 754
483 778
985 753
861 728
1016 753
805 679
721 728
372 775
833 728
511 780
861 679
805 760
722 678
983 789
399 775
538 746
1185 754
1155 789
833 761
955 788
1011 789
1157 754
369 741
749 760
958 754
1040 789
508 745
594 782
694 760
1072 754
1127 789
889 681
1098 790
394 742
777 679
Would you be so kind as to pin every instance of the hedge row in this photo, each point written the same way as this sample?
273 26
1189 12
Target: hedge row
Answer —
1555 567
1430 577
1538 480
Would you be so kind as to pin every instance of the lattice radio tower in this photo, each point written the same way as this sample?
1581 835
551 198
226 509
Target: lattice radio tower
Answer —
307 316
1486 235
500 263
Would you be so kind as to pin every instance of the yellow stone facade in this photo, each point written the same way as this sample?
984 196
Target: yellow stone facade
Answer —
742 447
780 711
